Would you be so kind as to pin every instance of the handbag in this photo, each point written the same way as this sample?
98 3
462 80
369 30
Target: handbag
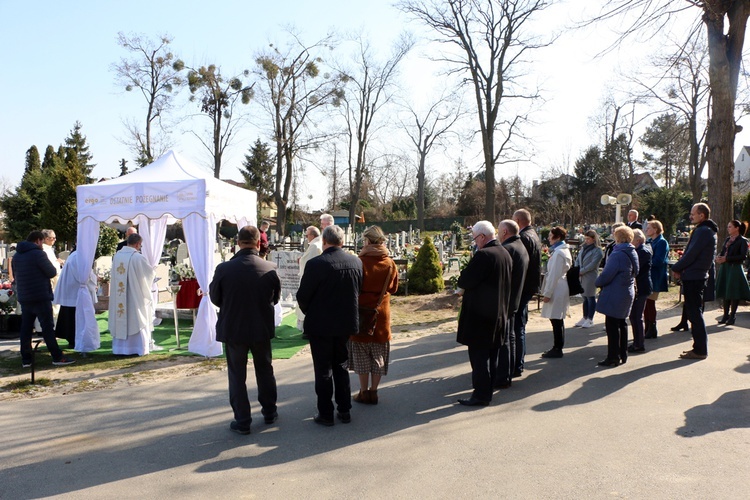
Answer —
368 316
574 280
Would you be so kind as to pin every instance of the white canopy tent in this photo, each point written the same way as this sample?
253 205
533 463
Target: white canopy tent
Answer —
170 188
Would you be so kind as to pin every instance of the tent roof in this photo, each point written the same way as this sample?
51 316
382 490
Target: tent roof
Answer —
172 185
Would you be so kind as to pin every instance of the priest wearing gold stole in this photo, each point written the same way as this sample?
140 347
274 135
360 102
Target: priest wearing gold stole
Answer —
131 307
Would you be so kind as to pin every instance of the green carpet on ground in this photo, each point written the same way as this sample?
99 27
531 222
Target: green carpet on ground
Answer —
287 343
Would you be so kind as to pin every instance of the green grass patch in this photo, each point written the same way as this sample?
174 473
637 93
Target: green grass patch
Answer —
287 343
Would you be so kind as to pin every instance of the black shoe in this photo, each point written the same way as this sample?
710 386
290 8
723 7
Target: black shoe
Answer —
344 416
680 328
723 319
730 320
609 363
472 401
26 364
505 384
633 349
517 373
323 421
239 429
651 332
553 353
269 419
63 361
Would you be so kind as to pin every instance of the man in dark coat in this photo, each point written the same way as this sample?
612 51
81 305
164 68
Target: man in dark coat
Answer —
531 283
506 364
485 286
633 220
246 288
693 270
328 294
32 271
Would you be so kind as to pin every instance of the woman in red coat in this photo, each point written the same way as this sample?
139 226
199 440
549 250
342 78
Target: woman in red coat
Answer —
369 354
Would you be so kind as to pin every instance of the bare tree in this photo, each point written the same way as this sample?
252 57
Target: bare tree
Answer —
219 99
490 45
155 72
372 86
682 88
425 131
293 89
725 22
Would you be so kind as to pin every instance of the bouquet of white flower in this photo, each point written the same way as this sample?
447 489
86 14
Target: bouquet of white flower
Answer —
184 272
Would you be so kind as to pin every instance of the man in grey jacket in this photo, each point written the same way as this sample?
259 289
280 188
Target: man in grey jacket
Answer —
693 269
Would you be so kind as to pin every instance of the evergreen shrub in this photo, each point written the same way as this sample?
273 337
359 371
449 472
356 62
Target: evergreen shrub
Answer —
426 275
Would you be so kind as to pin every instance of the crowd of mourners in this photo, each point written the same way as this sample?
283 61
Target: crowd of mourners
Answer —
621 281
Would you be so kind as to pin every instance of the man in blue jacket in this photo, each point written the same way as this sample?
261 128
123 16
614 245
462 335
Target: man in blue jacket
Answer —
693 268
329 296
32 271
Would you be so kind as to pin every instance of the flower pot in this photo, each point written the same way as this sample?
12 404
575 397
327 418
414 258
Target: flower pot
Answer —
187 297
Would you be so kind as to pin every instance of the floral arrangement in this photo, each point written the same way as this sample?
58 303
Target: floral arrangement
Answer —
544 257
103 276
7 301
183 272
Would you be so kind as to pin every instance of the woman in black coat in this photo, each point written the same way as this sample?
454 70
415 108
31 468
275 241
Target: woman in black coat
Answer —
643 286
731 283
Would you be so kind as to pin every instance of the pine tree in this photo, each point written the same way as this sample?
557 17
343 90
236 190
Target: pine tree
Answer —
59 210
49 158
77 142
258 171
33 163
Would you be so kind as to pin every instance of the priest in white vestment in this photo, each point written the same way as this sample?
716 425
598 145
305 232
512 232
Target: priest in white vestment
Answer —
131 307
314 248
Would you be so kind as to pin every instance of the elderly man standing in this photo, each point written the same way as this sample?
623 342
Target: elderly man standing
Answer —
693 270
314 248
128 232
531 283
325 221
246 289
32 271
633 220
131 308
329 297
485 284
506 364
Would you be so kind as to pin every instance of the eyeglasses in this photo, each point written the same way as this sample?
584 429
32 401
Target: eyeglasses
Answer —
474 238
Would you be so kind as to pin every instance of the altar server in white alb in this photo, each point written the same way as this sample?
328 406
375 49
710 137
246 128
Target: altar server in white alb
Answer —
66 295
131 308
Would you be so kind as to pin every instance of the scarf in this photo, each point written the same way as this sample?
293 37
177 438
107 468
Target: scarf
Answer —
378 250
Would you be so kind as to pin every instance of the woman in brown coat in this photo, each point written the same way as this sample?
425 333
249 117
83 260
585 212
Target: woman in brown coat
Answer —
369 354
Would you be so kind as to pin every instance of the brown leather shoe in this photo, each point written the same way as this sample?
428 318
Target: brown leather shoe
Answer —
363 397
373 396
692 355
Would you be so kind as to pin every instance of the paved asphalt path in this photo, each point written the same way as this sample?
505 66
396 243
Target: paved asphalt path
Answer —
657 427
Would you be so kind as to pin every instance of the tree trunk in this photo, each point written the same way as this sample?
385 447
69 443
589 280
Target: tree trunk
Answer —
489 180
725 56
420 191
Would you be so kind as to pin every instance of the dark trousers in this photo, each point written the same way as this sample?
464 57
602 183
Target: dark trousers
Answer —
636 320
66 325
558 333
483 371
649 312
506 360
519 328
617 338
237 373
330 358
31 311
693 291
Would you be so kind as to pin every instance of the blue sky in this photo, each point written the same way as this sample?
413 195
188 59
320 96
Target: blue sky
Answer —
57 59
